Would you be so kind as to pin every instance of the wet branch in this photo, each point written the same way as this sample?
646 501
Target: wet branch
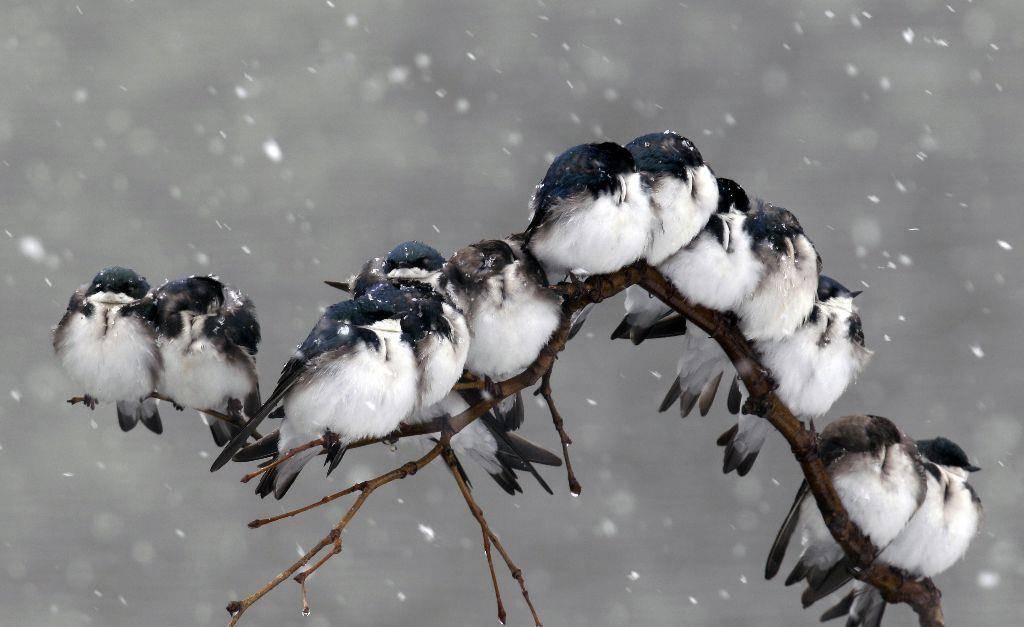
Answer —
895 587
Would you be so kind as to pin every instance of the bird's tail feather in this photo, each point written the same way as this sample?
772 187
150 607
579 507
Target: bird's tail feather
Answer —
279 479
743 443
130 413
863 606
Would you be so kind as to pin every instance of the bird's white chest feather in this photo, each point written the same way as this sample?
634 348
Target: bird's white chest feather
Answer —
940 531
681 209
198 375
442 360
112 357
596 236
713 275
508 330
784 297
365 393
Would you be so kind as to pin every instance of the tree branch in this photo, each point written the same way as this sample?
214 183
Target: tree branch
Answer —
896 587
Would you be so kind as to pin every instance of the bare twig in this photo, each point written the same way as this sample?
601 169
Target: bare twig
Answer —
545 391
365 489
453 466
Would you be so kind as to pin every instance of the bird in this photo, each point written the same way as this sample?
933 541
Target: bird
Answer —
208 337
106 343
717 268
881 479
591 214
358 374
811 368
936 537
683 190
511 315
788 281
509 308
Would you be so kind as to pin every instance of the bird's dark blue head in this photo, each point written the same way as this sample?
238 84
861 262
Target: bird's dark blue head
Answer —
418 308
588 168
118 280
768 223
730 195
945 452
668 153
830 288
413 254
200 294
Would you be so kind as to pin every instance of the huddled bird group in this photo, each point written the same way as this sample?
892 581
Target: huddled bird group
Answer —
417 323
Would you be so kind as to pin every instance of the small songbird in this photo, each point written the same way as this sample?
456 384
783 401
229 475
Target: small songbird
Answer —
717 269
812 369
107 345
363 369
881 479
790 265
208 339
936 537
683 190
591 213
510 311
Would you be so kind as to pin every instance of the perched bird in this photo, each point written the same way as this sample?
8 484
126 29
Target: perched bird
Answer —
936 537
107 345
591 213
510 311
785 291
683 190
718 268
208 339
367 365
511 316
881 479
811 367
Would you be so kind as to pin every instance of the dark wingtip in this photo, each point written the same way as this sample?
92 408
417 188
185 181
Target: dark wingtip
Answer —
671 397
339 285
621 331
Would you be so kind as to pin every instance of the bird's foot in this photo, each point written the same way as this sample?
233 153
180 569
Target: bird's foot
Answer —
234 407
89 401
757 406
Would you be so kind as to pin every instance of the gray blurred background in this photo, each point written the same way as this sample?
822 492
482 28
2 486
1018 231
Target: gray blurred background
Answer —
281 143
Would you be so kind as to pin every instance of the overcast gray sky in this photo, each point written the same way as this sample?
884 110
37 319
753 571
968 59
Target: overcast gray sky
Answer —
278 144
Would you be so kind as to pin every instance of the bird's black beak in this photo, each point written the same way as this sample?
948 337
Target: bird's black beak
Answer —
856 294
339 285
972 468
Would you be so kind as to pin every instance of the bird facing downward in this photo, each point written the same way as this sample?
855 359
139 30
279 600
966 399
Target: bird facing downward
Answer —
881 480
683 190
209 336
107 345
812 368
591 213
